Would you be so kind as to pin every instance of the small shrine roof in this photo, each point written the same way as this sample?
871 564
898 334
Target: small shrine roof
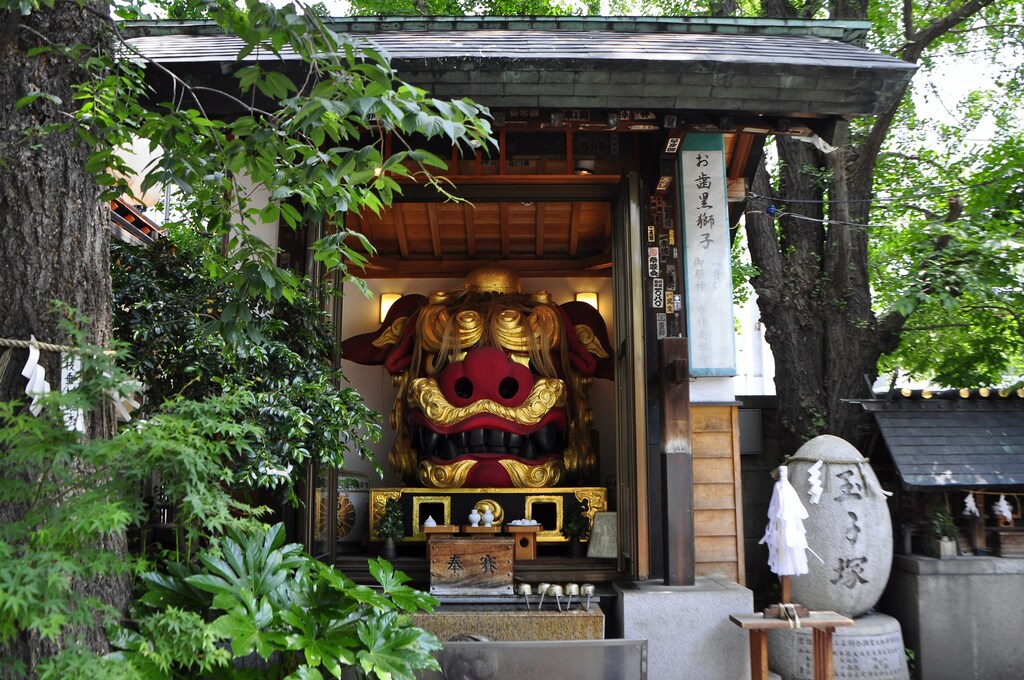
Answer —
954 439
763 66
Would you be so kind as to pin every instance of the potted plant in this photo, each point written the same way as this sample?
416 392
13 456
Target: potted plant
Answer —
575 525
391 527
943 530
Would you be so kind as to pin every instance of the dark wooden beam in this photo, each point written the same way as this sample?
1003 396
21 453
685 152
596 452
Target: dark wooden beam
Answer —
538 230
677 464
403 242
506 244
518 188
467 210
388 268
435 229
574 229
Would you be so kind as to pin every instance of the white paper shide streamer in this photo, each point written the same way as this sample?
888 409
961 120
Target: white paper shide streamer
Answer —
1002 507
36 376
814 488
785 535
971 506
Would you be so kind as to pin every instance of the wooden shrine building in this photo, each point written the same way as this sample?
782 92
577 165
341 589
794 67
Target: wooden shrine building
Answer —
626 147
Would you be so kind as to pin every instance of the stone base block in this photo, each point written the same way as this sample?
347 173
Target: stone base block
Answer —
687 628
871 649
498 624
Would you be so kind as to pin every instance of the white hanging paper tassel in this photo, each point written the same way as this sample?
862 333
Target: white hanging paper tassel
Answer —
971 506
814 489
124 404
36 376
1002 507
784 535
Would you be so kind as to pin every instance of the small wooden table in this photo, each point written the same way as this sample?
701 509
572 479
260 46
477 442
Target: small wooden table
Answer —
823 623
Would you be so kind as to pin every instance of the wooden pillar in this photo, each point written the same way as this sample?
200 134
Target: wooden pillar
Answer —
677 463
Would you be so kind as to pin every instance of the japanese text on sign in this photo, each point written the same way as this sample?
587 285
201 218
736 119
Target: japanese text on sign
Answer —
707 250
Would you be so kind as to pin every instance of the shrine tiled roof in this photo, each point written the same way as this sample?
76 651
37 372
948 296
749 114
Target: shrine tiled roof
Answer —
953 440
764 66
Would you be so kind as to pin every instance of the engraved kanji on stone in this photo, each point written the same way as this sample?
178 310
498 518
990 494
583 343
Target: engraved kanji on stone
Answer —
850 488
850 572
489 564
455 564
853 531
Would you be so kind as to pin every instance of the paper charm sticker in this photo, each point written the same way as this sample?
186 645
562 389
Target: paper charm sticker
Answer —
814 489
70 377
971 506
36 376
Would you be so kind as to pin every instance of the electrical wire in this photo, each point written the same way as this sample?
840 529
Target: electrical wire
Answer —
939 191
826 222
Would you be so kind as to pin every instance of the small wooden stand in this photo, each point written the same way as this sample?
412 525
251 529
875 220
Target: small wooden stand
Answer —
441 529
824 624
470 529
526 540
437 531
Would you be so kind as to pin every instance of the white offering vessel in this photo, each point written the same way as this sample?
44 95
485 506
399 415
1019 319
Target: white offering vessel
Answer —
542 588
571 589
557 592
588 590
525 590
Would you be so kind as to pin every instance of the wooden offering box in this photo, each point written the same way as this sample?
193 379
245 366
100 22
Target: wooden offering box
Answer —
471 565
433 533
525 540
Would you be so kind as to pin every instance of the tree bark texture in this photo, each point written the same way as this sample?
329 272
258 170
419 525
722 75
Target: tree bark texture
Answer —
813 287
54 239
814 295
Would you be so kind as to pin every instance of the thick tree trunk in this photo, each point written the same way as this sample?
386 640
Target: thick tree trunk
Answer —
813 288
53 227
814 295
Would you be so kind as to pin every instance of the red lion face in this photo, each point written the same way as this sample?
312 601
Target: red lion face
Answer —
492 384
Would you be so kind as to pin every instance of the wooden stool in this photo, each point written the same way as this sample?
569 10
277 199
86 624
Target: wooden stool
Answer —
823 623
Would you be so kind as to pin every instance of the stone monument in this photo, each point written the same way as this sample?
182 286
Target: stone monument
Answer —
850 529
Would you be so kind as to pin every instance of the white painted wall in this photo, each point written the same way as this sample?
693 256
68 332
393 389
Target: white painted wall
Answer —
755 364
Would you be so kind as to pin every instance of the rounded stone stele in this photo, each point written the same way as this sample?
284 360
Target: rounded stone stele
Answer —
849 528
871 649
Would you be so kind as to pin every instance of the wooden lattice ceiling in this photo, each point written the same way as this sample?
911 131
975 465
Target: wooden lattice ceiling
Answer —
535 224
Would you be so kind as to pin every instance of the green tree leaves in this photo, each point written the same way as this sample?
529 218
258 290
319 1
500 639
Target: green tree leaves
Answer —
278 373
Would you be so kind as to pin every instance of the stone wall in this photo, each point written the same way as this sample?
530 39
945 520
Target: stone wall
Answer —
962 616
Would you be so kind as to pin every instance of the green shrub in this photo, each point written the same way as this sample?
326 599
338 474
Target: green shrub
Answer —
254 607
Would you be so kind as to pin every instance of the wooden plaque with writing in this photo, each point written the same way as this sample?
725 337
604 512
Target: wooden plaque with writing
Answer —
471 565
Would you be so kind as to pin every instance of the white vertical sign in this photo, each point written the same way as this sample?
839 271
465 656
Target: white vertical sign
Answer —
706 246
